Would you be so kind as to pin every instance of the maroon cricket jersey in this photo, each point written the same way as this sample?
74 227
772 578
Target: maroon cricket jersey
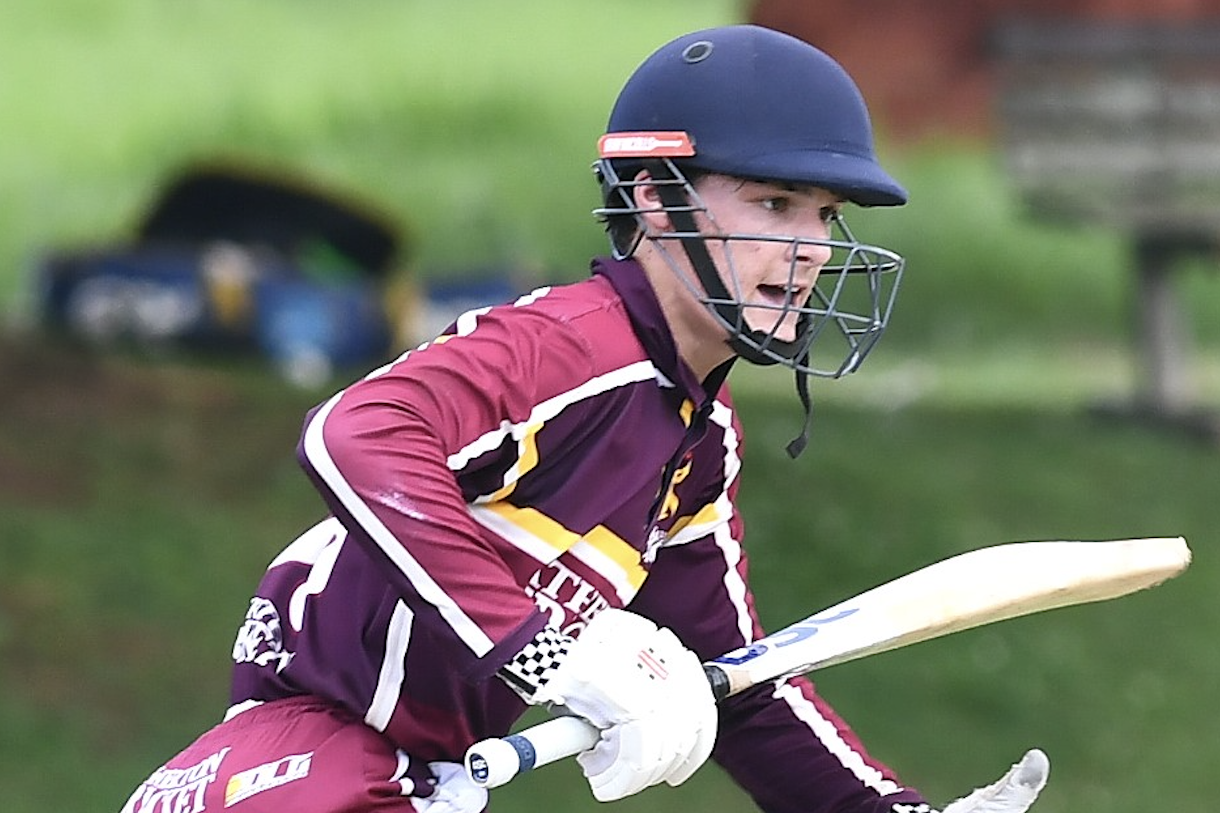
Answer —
540 461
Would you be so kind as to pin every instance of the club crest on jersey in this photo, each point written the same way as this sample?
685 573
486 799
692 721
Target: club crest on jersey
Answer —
261 638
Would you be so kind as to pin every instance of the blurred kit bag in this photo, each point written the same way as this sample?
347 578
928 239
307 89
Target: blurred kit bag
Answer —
232 260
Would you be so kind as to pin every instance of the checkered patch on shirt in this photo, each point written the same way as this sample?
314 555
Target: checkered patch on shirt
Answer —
532 667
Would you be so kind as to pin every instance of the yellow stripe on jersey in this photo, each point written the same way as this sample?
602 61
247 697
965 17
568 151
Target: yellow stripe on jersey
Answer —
544 539
618 551
526 528
708 515
527 459
706 520
687 411
624 376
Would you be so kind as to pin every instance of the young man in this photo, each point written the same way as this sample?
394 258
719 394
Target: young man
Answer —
538 507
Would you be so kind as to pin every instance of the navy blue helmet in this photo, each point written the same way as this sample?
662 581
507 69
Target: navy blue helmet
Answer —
760 104
753 103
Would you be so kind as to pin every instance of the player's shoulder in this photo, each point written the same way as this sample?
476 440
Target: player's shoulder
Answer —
590 299
589 313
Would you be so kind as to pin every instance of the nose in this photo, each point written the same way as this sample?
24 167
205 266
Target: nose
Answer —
808 249
803 251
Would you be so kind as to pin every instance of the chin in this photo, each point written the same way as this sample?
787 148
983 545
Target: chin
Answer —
784 331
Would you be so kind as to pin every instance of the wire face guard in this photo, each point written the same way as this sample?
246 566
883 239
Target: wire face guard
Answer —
845 314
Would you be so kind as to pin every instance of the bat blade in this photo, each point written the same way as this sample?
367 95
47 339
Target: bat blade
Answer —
968 590
964 591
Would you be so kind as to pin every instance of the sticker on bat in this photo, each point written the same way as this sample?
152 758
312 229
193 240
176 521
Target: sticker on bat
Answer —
785 637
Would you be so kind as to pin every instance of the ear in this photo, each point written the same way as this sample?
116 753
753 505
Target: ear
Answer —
646 198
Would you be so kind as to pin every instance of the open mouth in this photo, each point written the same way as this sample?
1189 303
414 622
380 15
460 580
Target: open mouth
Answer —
775 309
779 296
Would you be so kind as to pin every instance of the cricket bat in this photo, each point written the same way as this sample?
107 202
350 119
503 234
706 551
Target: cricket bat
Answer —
964 591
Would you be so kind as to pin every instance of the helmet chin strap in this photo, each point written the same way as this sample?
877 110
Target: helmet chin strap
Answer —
677 206
798 443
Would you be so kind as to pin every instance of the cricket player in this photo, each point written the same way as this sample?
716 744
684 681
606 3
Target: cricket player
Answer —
539 506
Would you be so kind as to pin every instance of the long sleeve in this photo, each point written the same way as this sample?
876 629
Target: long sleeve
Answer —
521 471
520 453
386 454
781 742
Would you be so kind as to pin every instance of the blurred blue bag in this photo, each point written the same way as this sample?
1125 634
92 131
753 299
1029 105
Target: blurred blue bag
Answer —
232 261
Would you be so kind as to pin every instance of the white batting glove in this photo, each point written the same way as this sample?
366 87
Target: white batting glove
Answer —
1015 792
454 792
644 690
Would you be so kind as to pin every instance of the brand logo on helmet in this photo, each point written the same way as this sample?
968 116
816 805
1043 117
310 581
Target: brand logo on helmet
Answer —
675 144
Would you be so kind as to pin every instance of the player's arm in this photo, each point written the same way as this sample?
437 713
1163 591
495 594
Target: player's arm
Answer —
386 454
782 743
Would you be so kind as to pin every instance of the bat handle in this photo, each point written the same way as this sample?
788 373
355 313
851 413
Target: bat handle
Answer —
494 762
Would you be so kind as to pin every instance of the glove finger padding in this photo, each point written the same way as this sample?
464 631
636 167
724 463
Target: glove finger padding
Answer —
699 716
705 740
649 695
1015 792
638 754
628 758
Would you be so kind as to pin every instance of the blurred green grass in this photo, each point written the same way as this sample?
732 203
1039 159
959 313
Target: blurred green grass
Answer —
141 500
141 497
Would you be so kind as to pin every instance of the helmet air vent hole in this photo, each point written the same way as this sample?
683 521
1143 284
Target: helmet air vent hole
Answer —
697 52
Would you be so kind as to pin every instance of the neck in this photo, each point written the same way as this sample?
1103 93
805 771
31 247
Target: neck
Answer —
700 339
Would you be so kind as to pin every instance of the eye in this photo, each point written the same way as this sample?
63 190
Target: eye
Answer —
776 203
830 213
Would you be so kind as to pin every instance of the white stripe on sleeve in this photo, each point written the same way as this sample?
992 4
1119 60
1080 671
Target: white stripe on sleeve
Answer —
826 732
319 457
393 668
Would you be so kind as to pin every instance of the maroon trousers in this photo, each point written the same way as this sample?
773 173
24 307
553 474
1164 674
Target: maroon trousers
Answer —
297 754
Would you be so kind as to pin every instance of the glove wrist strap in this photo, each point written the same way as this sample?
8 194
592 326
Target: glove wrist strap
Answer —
532 667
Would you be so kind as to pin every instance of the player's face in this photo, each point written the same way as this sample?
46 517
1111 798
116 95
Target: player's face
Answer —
769 277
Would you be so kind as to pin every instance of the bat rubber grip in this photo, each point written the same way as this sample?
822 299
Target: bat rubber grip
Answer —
718 679
494 762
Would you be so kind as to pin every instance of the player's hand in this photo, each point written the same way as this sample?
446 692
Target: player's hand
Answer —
1014 792
452 793
649 696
